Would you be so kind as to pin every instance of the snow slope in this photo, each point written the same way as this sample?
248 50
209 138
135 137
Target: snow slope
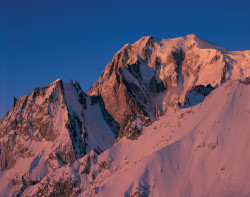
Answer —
199 151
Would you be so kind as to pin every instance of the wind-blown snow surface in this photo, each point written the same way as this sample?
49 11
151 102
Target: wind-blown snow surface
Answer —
199 151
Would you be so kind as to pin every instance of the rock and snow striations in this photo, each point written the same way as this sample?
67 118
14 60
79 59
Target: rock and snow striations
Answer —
148 127
52 127
152 74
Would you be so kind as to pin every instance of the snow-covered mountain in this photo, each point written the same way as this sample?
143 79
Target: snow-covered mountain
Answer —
152 74
168 117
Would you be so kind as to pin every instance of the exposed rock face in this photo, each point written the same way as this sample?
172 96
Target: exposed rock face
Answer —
51 128
31 120
245 81
153 72
50 140
47 114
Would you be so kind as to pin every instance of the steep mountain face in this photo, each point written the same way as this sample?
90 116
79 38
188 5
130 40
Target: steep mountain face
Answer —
52 127
183 101
147 77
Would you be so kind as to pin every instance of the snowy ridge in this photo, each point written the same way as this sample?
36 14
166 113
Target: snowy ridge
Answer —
167 117
154 74
193 151
52 127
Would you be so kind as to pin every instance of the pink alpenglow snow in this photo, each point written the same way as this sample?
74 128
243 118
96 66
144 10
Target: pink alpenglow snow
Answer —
167 117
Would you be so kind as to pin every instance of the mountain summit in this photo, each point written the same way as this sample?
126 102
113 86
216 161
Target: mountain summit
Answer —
147 77
163 112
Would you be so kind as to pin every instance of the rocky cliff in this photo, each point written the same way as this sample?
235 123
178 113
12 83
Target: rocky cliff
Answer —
145 78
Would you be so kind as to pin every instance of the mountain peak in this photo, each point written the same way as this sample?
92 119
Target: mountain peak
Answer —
146 38
149 66
191 36
59 79
204 44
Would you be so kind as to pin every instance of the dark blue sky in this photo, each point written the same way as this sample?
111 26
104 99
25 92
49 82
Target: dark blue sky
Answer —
42 40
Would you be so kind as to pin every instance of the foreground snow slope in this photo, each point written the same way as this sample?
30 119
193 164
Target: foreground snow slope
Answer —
199 151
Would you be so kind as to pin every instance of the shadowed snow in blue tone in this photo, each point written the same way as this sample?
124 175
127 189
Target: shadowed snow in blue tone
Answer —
42 40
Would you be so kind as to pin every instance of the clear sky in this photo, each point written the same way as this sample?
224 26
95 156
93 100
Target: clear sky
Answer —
42 40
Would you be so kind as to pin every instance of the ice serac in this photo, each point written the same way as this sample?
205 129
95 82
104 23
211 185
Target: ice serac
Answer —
53 126
145 78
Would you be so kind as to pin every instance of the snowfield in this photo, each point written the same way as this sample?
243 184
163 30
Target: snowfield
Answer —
198 151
